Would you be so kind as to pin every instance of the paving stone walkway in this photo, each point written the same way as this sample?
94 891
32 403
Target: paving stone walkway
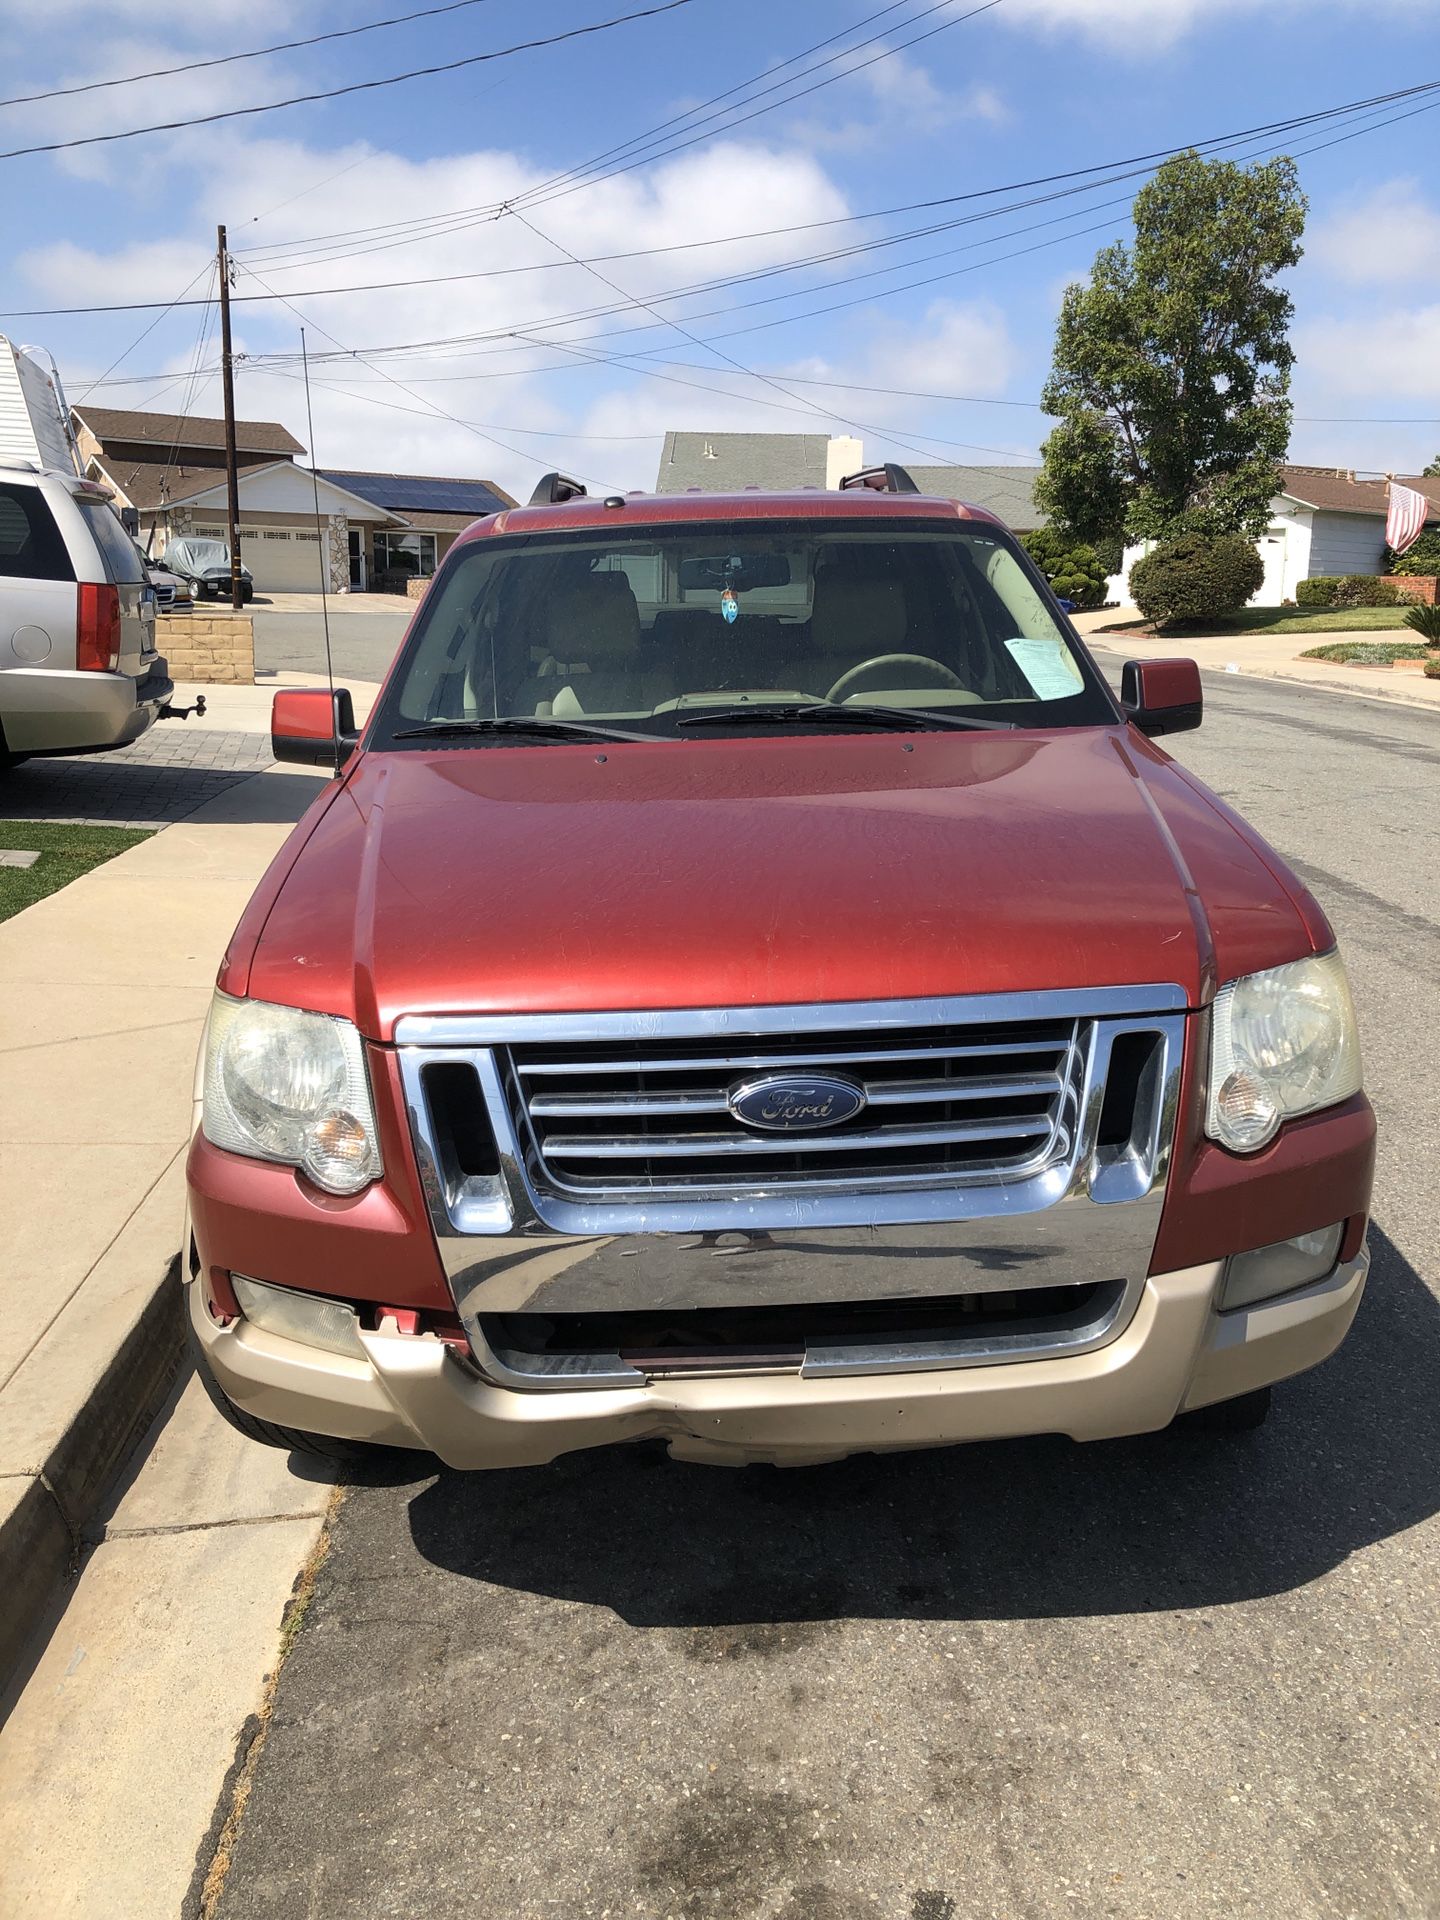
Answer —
165 776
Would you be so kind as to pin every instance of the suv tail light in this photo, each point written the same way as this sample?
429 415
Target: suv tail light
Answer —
97 629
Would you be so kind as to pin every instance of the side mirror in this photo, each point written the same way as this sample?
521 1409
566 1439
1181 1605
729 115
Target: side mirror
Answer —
313 728
1162 696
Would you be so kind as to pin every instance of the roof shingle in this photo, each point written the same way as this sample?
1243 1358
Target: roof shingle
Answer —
731 462
167 430
1335 490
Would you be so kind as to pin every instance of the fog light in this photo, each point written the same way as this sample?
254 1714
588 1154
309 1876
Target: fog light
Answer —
315 1322
1279 1268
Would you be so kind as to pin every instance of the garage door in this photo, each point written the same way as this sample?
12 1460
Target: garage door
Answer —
282 559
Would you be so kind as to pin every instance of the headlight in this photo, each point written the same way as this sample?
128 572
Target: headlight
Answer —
290 1086
1283 1043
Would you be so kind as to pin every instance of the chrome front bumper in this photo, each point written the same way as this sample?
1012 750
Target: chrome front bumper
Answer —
404 1390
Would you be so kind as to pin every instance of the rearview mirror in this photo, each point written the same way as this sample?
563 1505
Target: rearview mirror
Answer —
311 727
743 572
1162 696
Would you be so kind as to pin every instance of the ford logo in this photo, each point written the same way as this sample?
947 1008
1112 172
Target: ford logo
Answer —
785 1103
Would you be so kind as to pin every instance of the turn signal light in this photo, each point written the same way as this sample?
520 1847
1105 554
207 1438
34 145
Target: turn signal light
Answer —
97 628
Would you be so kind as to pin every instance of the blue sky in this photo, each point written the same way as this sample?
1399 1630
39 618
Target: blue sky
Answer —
1027 88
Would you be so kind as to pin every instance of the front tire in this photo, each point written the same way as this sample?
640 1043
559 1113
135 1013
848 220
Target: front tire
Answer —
316 1446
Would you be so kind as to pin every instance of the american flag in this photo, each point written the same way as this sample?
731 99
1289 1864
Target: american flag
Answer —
1405 518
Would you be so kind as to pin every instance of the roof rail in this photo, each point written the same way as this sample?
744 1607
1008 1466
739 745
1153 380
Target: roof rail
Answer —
554 489
886 479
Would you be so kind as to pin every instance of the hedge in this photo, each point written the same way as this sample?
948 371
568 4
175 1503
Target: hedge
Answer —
1192 578
1423 557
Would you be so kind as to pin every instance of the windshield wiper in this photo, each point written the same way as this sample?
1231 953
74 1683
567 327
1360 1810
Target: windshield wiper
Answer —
538 726
897 719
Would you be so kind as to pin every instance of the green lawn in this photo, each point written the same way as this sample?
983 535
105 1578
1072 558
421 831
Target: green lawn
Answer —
1284 620
65 853
1371 652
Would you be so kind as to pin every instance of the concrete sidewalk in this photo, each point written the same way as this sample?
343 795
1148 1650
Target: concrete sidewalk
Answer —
1273 656
103 991
236 709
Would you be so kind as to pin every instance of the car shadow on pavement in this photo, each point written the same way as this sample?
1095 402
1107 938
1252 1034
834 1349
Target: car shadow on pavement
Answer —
1038 1528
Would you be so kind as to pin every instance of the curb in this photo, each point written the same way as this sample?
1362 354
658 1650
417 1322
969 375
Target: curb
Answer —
42 1528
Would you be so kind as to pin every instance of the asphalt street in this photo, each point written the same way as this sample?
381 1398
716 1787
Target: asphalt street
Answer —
362 645
1176 1676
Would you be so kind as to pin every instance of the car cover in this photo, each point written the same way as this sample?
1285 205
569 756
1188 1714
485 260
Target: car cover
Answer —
199 554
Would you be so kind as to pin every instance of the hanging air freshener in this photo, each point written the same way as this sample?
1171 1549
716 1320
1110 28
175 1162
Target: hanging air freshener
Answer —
729 606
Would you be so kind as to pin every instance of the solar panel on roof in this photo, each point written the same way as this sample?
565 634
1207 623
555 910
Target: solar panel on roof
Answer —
399 491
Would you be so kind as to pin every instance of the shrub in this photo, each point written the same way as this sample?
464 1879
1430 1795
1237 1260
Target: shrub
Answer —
1074 568
1192 578
1426 622
1432 668
1423 557
1318 591
1365 590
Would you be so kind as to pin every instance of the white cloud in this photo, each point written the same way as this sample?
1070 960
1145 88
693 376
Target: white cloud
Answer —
1392 353
363 419
1388 237
903 100
1139 27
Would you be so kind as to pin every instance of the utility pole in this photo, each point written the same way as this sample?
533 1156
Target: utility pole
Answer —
227 381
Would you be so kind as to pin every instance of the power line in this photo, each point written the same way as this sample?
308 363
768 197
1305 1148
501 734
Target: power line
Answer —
354 86
439 223
1351 108
789 99
253 53
729 359
146 332
436 411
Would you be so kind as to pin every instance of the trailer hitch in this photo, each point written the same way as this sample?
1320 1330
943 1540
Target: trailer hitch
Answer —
171 712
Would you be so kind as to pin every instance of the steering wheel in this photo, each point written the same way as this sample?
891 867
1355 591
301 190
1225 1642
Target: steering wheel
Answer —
935 670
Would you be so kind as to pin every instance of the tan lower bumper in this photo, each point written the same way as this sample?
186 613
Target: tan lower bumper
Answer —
1175 1353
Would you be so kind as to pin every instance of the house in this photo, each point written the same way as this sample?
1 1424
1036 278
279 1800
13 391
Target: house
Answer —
170 469
787 462
774 462
1007 492
427 514
1323 521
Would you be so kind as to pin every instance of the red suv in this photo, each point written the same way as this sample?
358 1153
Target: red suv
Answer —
751 985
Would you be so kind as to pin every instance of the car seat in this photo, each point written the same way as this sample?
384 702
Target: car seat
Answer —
594 663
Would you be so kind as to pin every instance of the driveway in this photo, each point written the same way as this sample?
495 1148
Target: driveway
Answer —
1174 1676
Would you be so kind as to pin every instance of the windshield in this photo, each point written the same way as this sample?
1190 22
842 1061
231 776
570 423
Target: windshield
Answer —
670 630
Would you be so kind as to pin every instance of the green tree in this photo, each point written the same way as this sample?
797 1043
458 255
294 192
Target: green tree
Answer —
1432 472
1172 364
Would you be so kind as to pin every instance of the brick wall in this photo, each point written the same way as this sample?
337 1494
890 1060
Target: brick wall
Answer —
213 648
415 587
1415 586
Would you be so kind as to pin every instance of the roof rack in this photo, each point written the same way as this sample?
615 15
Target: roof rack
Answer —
886 479
555 489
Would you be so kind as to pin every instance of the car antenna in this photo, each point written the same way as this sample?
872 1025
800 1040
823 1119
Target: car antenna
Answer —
323 537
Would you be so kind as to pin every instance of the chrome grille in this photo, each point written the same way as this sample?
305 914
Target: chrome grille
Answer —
650 1115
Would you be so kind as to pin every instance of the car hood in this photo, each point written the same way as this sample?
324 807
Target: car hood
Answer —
751 872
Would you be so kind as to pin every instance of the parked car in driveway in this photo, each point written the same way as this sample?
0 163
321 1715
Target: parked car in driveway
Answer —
79 670
752 985
204 567
169 589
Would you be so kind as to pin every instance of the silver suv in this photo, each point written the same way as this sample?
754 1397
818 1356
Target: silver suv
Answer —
79 671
